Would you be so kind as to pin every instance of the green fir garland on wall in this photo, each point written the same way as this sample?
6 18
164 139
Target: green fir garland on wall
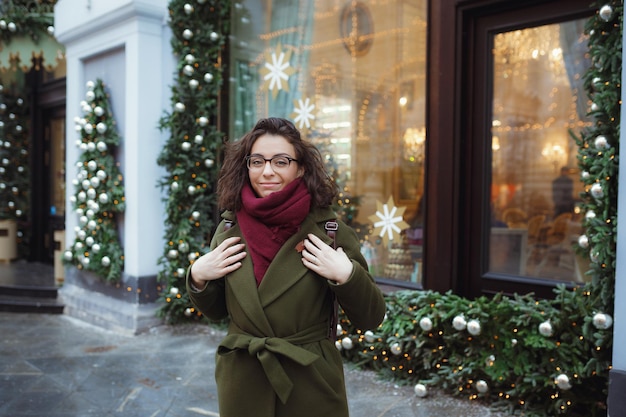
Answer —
14 164
190 156
98 198
33 19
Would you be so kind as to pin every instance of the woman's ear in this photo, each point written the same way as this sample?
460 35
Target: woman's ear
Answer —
300 172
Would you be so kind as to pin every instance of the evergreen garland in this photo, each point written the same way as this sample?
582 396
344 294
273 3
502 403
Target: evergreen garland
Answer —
33 19
14 164
190 156
99 193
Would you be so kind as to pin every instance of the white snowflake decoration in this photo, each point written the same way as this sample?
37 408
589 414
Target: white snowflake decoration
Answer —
388 221
303 113
277 70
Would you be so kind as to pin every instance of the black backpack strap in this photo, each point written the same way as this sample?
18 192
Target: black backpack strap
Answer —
331 227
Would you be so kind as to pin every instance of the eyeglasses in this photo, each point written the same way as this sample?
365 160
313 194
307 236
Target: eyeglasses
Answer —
278 162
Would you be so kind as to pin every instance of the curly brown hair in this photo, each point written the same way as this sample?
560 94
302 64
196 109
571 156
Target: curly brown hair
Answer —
234 172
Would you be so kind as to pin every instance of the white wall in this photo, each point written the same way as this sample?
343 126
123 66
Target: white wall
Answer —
126 44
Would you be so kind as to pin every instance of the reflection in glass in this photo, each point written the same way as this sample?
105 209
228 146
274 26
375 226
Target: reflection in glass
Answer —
351 75
538 98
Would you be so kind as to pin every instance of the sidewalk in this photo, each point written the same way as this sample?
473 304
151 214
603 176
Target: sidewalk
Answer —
57 366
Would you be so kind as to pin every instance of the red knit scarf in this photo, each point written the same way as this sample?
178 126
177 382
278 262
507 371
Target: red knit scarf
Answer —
267 223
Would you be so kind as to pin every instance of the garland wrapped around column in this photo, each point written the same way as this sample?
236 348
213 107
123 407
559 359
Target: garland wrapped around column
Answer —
99 192
199 31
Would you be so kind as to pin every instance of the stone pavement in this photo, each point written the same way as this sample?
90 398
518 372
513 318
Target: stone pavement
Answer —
57 366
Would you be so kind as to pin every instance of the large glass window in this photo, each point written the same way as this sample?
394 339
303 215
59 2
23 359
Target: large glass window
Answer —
351 75
538 101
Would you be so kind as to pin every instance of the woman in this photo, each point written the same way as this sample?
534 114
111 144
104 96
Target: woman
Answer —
272 270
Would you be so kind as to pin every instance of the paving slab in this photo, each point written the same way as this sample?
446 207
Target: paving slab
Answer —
56 366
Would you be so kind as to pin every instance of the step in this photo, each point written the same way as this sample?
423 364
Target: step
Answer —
21 304
28 291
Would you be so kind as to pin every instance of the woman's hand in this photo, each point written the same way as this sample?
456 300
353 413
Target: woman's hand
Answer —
221 261
320 258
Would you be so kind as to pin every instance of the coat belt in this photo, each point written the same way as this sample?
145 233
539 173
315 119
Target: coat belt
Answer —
266 350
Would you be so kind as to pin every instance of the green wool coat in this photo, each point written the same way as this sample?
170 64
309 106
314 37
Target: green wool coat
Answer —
277 359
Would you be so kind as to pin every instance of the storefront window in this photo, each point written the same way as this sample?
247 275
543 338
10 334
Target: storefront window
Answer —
351 75
538 101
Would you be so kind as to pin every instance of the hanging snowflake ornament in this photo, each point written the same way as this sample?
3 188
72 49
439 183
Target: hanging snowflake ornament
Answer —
388 221
303 113
277 70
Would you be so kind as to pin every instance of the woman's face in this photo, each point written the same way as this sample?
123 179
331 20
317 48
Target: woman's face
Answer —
268 177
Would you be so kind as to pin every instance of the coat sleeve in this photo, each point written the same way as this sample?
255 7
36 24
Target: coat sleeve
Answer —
211 301
360 297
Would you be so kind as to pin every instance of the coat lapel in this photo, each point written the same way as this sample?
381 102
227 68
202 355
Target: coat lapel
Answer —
287 268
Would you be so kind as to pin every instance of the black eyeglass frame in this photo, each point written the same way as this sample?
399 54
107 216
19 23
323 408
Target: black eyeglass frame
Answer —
266 160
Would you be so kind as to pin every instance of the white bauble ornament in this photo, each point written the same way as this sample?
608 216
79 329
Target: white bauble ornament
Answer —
88 129
185 146
183 247
208 77
481 386
473 327
489 360
95 182
606 12
426 324
180 272
583 241
188 8
594 256
190 59
95 248
395 348
562 381
82 220
192 256
420 390
90 96
590 214
12 27
191 190
101 175
89 241
214 36
339 329
91 193
338 345
195 215
174 186
98 111
346 343
198 139
90 85
209 163
86 184
545 328
78 246
597 191
585 175
369 336
92 225
3 24
81 234
459 322
602 321
193 83
174 290
188 70
203 121
101 146
103 198
594 107
179 107
92 165
85 262
601 142
513 342
67 255
172 253
187 34
188 312
91 146
106 261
